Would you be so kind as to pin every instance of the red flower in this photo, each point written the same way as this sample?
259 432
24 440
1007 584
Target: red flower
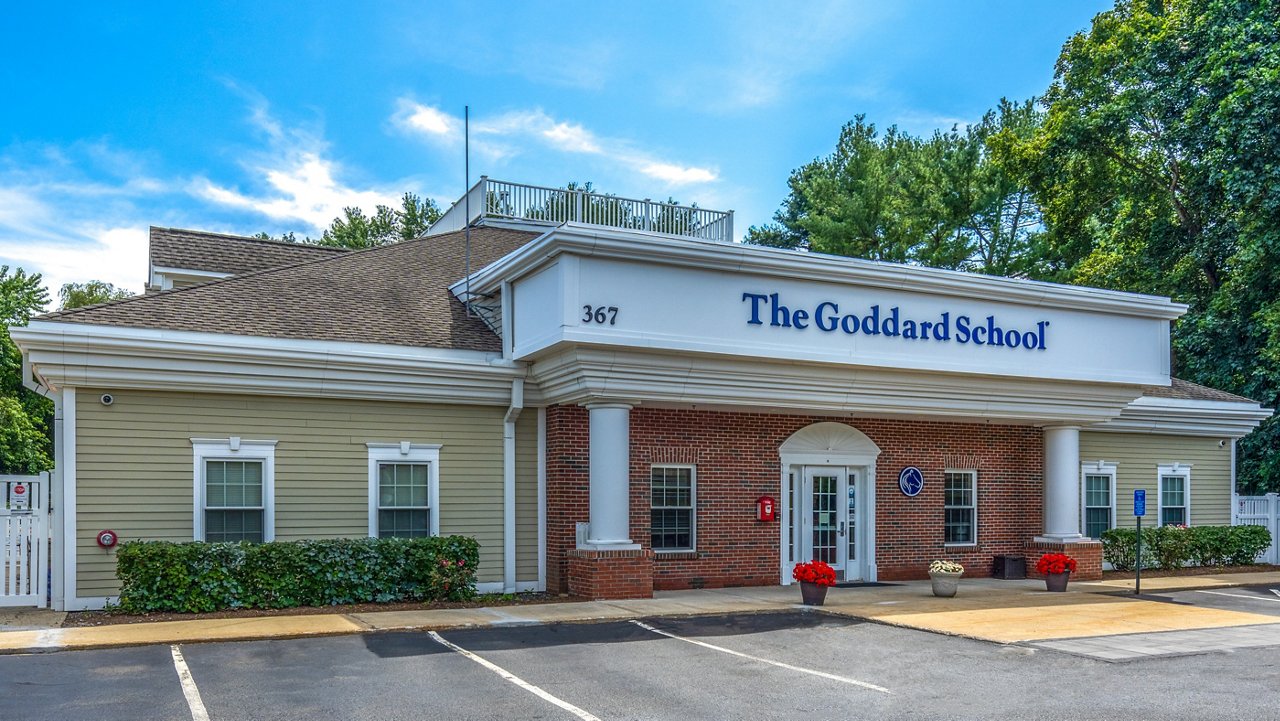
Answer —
1051 563
815 572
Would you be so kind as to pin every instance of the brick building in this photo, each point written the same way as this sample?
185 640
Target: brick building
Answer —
606 392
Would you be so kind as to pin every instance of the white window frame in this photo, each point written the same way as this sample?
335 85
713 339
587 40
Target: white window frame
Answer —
1096 468
406 452
973 473
1173 469
693 507
234 449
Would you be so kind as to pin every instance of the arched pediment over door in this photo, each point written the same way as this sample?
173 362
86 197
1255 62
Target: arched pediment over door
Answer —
830 444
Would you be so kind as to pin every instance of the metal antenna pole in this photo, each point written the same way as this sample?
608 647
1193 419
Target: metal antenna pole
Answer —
466 145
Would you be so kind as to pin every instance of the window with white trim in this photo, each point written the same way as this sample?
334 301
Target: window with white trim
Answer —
960 507
671 515
234 490
1175 495
1098 498
404 480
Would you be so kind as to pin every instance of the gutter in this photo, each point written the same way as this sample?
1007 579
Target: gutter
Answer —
509 486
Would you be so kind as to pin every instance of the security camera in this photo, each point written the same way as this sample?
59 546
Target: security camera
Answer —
107 399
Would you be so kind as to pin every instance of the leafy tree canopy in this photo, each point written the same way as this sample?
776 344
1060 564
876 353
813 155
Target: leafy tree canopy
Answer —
25 417
386 225
78 295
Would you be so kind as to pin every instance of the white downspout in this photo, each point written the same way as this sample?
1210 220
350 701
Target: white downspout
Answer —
56 494
509 452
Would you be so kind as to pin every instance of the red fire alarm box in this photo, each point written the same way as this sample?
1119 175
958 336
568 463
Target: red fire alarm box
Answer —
766 508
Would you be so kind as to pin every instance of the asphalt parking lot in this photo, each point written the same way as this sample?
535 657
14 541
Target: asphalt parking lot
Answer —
793 665
1263 599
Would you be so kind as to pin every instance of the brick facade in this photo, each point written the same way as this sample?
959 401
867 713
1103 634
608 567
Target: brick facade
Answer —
1088 556
737 461
610 574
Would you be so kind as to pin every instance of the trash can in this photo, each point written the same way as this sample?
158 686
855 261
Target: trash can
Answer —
1009 567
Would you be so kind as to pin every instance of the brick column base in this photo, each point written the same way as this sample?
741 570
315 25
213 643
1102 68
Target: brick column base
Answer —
599 575
1088 555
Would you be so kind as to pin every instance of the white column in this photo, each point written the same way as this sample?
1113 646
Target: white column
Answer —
610 468
1062 484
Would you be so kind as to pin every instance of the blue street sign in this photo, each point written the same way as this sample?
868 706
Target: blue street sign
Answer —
1139 503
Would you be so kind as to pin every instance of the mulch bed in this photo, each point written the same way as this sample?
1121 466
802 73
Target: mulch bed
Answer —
111 618
1194 571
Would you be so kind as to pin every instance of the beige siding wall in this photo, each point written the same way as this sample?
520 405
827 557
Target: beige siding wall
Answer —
1137 456
134 469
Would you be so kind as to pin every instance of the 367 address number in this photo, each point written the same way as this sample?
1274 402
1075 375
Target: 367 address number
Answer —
600 314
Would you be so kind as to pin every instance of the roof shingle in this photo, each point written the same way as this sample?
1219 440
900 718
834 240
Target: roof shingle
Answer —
396 294
1186 390
222 253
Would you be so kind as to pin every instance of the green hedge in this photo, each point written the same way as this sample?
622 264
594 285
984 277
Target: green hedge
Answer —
199 577
1171 547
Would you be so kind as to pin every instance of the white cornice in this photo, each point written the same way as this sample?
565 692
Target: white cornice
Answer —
1179 416
739 258
67 354
578 375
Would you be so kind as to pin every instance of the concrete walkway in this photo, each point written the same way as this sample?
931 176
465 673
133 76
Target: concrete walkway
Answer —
986 609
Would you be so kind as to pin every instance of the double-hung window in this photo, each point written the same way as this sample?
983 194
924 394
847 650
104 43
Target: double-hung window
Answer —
1175 495
1098 483
234 490
672 517
404 480
960 507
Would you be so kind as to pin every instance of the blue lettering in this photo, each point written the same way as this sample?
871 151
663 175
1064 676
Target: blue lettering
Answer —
891 330
978 334
849 324
994 335
800 319
781 314
823 321
963 334
755 298
1040 333
942 331
871 324
909 329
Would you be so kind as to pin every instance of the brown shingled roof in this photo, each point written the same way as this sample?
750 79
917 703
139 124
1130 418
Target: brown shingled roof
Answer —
397 294
1186 390
222 253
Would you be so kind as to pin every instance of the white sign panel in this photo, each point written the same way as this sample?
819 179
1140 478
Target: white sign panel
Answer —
20 497
684 309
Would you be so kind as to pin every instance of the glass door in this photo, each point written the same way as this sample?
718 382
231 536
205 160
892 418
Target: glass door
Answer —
825 517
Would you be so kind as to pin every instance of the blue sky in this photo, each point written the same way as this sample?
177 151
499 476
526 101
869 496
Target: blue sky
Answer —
273 116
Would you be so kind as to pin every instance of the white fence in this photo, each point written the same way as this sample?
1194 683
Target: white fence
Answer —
518 201
24 540
1261 511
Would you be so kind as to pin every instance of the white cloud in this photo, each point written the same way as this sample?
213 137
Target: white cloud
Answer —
39 238
503 136
298 182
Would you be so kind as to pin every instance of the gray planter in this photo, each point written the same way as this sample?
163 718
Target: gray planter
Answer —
945 584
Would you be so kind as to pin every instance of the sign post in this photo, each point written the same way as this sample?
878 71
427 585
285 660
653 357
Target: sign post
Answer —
1139 510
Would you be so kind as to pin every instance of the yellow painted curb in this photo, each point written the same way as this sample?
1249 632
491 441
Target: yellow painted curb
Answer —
140 634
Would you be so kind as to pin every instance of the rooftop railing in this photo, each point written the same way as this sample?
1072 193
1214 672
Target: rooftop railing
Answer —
519 202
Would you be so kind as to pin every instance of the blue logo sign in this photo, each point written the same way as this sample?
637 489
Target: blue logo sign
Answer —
767 309
911 481
1139 503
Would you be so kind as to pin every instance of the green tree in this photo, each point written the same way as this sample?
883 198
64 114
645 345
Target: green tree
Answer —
78 295
25 417
1158 170
945 201
387 225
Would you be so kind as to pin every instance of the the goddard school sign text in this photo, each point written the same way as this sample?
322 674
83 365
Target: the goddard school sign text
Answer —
827 317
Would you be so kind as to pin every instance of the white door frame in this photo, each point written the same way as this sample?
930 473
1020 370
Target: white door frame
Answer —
829 444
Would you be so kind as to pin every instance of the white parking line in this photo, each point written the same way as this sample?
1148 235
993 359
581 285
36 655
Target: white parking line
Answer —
779 664
1242 595
198 712
515 679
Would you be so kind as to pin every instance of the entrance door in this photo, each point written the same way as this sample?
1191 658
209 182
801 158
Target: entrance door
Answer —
828 519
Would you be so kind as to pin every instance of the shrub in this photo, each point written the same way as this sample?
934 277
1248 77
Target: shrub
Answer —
1172 547
199 577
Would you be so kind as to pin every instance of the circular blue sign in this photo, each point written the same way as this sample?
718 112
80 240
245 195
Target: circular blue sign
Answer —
911 481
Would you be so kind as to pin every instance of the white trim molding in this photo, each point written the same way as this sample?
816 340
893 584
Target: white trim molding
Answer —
405 452
1185 417
1174 469
233 449
1096 468
144 358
